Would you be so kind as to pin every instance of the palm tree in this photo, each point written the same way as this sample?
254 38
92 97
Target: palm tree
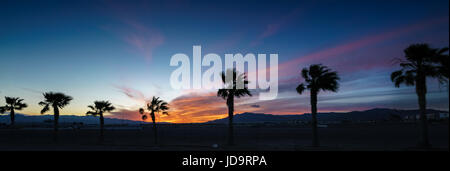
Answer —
317 78
443 62
56 101
155 106
419 64
443 65
12 104
231 89
99 108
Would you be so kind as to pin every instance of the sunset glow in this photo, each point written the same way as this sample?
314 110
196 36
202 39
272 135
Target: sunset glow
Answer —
120 51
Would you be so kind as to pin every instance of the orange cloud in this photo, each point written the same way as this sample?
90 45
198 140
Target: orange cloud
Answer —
196 107
193 108
204 107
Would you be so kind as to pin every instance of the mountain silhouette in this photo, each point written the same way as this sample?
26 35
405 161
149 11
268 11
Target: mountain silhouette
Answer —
376 114
36 119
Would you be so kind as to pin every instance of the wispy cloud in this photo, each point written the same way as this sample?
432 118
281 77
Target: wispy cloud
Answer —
32 90
288 67
275 26
228 41
126 114
143 38
132 93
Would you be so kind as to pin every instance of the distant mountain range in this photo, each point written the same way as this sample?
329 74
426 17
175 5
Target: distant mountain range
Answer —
34 119
376 114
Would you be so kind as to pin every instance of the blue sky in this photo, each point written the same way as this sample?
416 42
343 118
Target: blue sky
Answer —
120 50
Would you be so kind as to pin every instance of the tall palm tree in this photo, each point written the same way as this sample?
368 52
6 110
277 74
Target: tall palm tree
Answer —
98 109
12 104
231 89
443 62
154 107
419 64
56 101
317 78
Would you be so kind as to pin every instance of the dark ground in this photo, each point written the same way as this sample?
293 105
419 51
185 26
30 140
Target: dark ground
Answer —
248 138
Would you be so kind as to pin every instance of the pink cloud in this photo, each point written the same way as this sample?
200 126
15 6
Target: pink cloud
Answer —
132 93
126 114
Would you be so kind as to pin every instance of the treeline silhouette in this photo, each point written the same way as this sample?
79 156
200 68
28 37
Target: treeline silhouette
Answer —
419 63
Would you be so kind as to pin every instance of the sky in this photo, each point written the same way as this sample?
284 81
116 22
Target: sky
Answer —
120 51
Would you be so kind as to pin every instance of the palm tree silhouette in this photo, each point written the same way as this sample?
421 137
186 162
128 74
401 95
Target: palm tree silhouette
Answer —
317 78
155 106
443 65
231 89
12 104
56 101
419 64
443 62
99 108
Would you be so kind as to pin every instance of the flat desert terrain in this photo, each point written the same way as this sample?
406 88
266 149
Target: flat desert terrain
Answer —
196 137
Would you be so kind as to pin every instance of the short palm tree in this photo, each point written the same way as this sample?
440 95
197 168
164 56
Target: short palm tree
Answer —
420 63
317 78
98 109
56 101
154 107
12 104
232 89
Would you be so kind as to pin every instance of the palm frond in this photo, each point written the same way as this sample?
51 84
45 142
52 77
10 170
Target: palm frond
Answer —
408 65
43 103
91 107
300 88
57 99
110 109
20 106
45 109
92 113
223 93
396 74
235 86
10 100
318 77
3 109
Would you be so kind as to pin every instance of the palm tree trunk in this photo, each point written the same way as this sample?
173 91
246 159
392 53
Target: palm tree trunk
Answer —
230 104
315 140
55 123
155 132
421 93
448 94
12 115
102 123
